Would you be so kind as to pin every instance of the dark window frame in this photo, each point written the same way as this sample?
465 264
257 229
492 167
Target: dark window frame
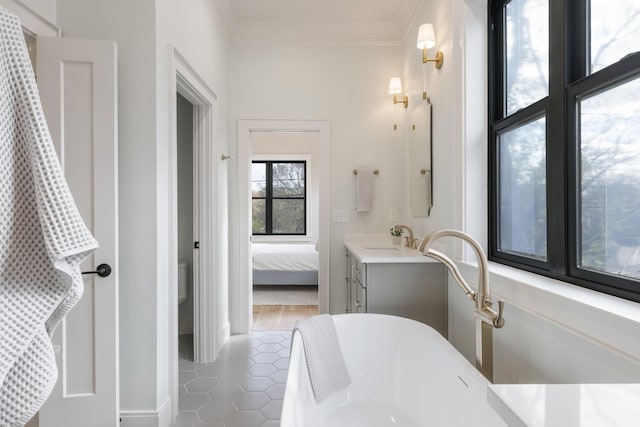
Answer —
569 82
269 197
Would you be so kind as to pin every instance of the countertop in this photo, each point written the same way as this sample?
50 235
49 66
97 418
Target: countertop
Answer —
376 251
566 405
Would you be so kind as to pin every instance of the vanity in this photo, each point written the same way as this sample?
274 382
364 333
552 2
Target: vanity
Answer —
392 279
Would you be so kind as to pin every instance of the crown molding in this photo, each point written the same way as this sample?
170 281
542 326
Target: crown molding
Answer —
384 33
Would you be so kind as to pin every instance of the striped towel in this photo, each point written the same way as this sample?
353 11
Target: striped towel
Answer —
327 369
43 239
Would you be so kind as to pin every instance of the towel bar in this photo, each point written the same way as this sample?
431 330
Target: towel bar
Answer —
375 171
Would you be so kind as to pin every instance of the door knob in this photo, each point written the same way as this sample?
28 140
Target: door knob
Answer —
103 270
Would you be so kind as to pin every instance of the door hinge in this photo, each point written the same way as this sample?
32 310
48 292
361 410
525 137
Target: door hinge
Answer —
196 245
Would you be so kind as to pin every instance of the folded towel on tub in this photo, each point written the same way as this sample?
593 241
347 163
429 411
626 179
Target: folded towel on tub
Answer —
43 239
325 363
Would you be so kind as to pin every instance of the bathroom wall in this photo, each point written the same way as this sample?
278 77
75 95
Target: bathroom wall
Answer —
347 85
145 31
45 8
531 348
194 29
444 91
132 26
185 207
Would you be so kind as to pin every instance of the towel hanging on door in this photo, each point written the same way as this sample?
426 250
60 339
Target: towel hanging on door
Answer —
43 239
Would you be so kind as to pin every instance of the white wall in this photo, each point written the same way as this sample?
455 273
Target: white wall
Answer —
346 85
45 8
132 26
145 30
532 349
443 89
195 31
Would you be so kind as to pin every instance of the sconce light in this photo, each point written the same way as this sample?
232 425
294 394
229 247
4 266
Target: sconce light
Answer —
395 88
426 40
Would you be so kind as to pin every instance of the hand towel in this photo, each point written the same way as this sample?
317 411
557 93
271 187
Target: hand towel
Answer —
327 369
364 190
43 239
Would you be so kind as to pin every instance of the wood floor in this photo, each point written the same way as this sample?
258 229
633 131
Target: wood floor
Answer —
280 317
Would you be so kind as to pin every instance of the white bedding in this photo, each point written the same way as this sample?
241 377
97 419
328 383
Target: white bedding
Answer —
284 257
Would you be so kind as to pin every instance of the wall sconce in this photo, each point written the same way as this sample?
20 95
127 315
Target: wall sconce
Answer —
395 88
426 40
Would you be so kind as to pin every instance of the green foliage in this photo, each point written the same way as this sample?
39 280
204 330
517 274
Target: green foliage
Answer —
396 230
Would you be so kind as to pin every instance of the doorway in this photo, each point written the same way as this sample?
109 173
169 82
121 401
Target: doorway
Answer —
186 236
210 329
250 132
285 259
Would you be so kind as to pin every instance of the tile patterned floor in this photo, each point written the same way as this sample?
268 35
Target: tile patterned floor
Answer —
244 387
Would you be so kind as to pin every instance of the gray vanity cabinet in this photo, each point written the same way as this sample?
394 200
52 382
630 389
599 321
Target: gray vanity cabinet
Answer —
414 290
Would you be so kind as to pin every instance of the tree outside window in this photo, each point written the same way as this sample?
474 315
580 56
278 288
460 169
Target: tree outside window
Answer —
278 197
565 140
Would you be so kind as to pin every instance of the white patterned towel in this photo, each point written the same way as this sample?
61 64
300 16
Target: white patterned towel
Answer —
327 370
43 239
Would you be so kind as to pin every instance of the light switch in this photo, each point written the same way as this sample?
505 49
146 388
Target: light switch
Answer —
340 216
393 215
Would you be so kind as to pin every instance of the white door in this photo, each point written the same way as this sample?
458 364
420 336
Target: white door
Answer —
77 84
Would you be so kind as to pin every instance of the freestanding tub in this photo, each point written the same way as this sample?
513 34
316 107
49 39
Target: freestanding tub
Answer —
403 373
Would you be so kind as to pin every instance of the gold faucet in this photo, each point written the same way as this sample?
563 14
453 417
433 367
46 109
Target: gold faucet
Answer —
410 242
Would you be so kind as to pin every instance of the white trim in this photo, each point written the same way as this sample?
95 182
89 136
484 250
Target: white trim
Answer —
196 91
208 335
224 333
31 20
389 32
605 320
241 311
159 418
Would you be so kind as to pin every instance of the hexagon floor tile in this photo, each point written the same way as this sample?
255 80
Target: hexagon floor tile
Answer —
244 387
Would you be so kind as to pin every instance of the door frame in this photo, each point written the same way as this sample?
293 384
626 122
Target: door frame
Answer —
208 337
241 311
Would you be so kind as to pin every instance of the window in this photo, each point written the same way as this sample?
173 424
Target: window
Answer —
279 197
564 160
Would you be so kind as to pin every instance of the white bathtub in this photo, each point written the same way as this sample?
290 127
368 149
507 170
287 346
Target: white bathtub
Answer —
403 373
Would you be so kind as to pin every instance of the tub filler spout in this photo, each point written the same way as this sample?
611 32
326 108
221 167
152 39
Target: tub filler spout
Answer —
486 317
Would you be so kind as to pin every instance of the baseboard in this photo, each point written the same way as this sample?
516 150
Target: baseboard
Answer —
159 418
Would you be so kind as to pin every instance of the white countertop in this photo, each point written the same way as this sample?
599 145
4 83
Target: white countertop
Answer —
379 252
566 405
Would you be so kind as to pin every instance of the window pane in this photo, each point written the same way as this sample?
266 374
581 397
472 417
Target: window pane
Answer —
610 181
288 180
258 215
527 40
258 179
288 216
523 199
615 31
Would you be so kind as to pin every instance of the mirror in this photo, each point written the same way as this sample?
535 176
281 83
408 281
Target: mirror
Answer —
420 160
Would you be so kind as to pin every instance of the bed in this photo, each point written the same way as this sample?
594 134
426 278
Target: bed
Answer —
284 264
